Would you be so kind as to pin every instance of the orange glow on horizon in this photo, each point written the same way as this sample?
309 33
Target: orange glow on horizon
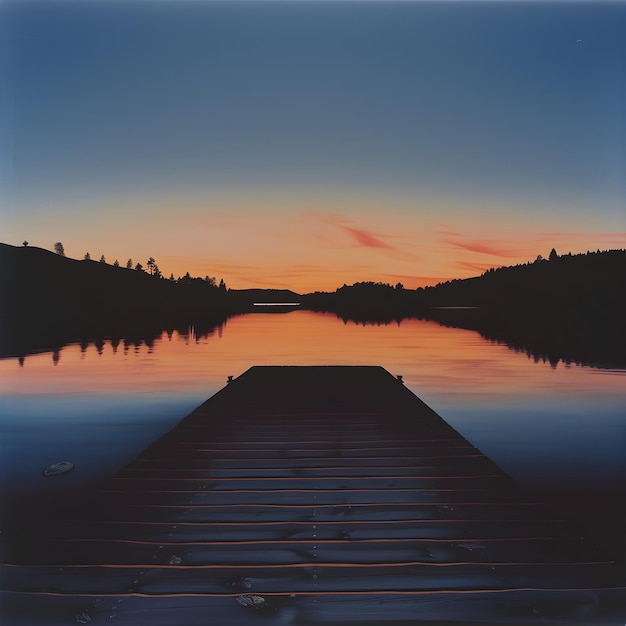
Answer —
283 240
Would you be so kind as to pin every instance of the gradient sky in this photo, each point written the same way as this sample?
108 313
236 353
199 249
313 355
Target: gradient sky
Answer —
309 144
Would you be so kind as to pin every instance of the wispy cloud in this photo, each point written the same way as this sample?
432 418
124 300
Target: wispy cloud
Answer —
363 237
493 248
366 238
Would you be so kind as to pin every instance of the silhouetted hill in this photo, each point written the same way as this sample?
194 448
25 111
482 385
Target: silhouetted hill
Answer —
570 307
583 282
48 299
247 297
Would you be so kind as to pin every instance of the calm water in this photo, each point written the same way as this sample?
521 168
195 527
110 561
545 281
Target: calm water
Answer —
558 429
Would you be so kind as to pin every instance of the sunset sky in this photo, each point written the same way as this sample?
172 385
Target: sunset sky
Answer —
307 144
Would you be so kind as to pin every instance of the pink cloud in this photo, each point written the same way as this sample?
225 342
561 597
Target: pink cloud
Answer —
365 238
483 247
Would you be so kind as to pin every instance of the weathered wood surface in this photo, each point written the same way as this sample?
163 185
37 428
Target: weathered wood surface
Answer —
319 495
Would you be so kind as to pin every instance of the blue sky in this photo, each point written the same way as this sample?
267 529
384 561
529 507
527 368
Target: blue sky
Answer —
498 123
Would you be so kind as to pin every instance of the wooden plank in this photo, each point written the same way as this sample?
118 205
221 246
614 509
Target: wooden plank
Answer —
166 579
326 454
389 448
256 483
299 497
184 462
460 530
289 440
590 606
470 467
320 514
351 550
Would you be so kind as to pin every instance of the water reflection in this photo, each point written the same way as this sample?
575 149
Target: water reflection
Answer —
98 404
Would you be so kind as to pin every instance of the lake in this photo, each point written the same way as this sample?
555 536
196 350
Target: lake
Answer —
560 430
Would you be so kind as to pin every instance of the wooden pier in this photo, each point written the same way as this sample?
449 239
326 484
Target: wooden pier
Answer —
311 495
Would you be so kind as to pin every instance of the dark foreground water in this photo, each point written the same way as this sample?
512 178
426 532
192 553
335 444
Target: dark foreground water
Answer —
560 430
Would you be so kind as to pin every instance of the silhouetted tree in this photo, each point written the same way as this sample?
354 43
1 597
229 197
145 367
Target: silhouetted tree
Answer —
151 263
25 243
102 259
116 263
129 264
87 256
59 249
139 267
553 255
222 285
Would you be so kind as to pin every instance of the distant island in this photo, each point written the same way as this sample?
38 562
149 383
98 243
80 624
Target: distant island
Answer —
567 307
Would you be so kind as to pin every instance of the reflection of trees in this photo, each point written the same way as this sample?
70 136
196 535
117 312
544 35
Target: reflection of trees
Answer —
135 341
47 301
547 338
549 342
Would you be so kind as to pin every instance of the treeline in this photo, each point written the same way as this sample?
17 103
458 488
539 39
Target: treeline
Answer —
590 282
48 299
568 307
151 267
